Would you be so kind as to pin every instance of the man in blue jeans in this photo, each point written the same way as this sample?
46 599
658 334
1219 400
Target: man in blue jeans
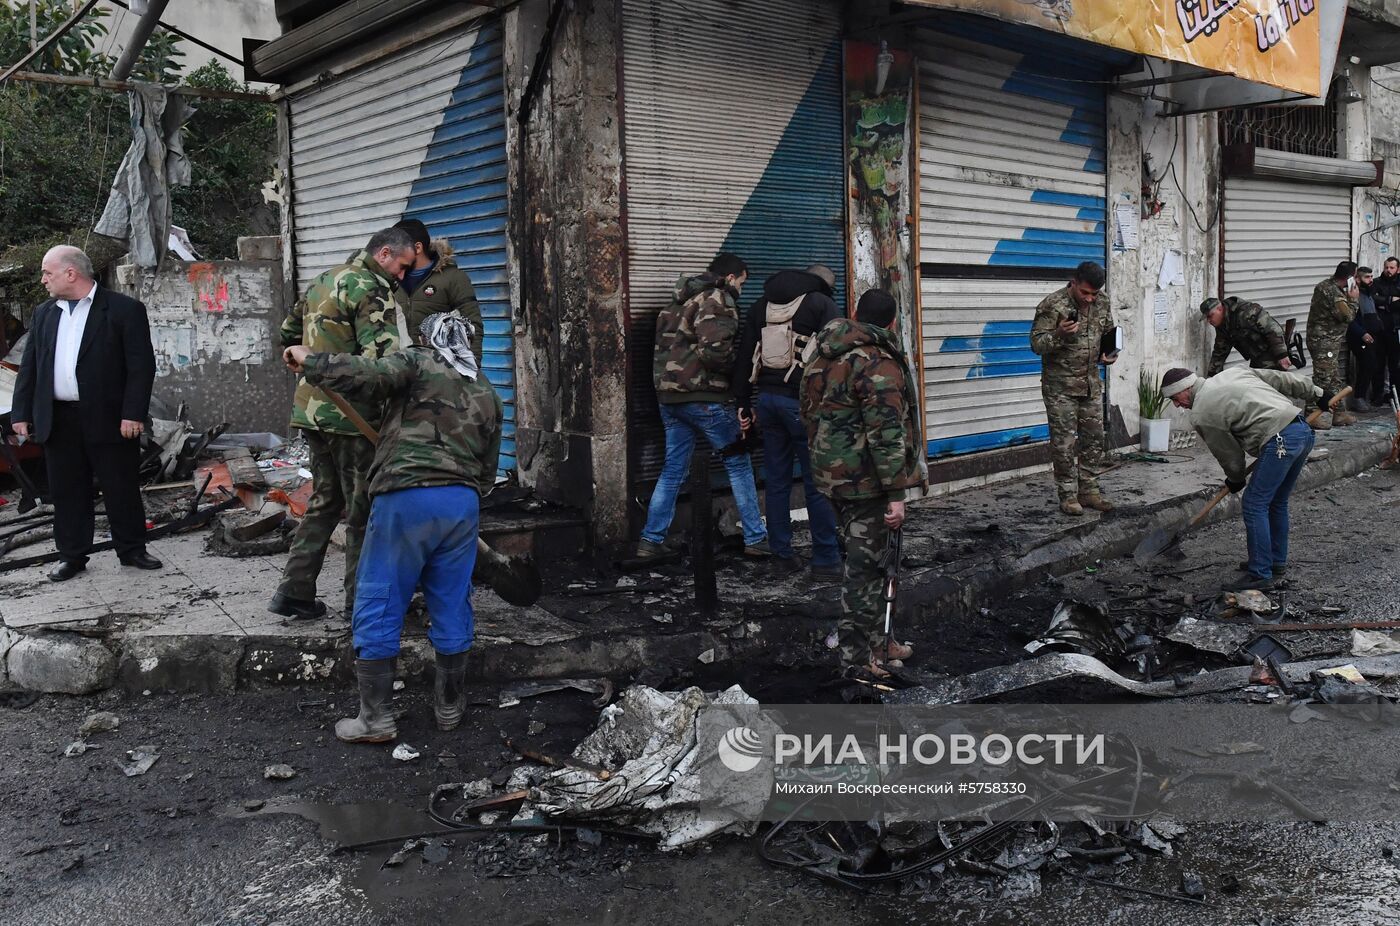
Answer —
1247 411
695 341
796 304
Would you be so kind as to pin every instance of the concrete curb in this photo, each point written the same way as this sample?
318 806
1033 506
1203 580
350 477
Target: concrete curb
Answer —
136 663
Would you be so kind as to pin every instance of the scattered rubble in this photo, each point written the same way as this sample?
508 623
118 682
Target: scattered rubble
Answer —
139 761
279 772
100 722
405 753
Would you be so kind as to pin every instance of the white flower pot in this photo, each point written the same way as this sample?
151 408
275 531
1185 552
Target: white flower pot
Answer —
1156 434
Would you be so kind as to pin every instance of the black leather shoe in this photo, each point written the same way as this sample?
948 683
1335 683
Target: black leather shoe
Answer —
142 560
295 607
65 571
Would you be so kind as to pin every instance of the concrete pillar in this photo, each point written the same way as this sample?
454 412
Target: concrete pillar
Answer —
568 251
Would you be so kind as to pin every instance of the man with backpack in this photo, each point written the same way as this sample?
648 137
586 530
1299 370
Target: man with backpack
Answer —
778 339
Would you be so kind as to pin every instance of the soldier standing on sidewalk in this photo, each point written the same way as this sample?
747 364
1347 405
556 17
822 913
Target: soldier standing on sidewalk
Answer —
346 310
1069 324
859 405
1334 304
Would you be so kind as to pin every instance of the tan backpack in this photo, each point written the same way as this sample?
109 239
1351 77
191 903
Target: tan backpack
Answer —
779 346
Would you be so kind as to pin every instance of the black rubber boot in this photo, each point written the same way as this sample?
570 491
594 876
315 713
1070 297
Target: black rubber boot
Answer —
375 724
450 690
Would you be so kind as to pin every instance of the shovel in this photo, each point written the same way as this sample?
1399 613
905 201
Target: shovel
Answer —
515 578
1164 538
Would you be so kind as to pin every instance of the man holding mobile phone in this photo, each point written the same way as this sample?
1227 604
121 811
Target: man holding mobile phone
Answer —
1334 305
1067 334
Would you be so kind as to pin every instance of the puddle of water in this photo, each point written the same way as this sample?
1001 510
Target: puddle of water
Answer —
347 824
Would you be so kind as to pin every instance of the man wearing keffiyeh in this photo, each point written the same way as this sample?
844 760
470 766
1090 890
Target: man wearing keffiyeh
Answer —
437 456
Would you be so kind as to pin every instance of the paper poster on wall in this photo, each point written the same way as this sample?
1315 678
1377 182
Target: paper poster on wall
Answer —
1173 272
1160 311
1125 237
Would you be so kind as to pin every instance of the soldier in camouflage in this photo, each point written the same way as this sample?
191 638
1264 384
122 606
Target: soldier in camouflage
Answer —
436 457
1334 303
859 405
696 341
346 310
1066 332
435 284
1246 327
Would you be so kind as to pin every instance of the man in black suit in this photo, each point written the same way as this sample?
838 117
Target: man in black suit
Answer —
83 391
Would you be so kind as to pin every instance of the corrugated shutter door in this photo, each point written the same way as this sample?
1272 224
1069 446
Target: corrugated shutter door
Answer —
981 377
1281 240
420 134
1013 187
734 142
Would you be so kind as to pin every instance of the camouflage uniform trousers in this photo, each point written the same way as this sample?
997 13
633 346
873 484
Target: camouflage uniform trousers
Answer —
340 476
1076 437
1327 363
862 623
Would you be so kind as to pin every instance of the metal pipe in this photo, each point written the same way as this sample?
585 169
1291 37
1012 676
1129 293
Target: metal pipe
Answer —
101 83
139 36
49 40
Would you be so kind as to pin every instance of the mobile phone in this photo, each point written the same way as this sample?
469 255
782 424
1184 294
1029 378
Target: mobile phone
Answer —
1351 283
1073 315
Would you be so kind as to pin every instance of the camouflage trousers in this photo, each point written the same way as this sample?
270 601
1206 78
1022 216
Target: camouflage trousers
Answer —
1327 363
1076 441
340 479
862 623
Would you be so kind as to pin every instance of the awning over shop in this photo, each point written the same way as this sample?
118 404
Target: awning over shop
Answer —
1212 53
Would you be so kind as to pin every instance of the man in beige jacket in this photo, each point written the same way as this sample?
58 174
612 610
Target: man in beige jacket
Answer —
1250 411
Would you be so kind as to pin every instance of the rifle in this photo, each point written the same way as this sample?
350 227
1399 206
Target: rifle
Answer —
1394 441
889 564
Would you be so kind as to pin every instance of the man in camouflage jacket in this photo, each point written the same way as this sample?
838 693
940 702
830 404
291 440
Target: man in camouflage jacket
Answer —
1332 309
1247 328
696 339
437 455
860 409
435 284
348 309
1066 331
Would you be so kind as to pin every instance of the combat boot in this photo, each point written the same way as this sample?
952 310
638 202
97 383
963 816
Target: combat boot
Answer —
450 690
1071 506
375 723
1096 502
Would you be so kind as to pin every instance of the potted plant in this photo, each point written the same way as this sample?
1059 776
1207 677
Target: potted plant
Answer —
1152 410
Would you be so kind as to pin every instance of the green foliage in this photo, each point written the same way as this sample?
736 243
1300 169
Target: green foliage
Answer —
230 144
60 146
75 53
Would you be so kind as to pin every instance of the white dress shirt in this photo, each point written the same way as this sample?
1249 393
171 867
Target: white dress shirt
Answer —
71 322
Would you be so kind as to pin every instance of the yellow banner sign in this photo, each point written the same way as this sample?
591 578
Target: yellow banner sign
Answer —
1275 42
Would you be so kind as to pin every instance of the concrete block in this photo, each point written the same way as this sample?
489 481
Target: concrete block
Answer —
262 247
61 664
207 664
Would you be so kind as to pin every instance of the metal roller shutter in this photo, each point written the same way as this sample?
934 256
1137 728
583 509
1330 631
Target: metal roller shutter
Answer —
758 169
1280 240
420 134
1013 187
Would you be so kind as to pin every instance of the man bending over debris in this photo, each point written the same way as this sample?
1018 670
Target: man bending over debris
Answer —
1250 411
859 406
436 458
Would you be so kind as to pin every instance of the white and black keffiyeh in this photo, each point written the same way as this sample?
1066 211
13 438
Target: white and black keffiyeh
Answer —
451 336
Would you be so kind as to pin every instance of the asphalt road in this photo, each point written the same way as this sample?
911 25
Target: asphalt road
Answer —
82 843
